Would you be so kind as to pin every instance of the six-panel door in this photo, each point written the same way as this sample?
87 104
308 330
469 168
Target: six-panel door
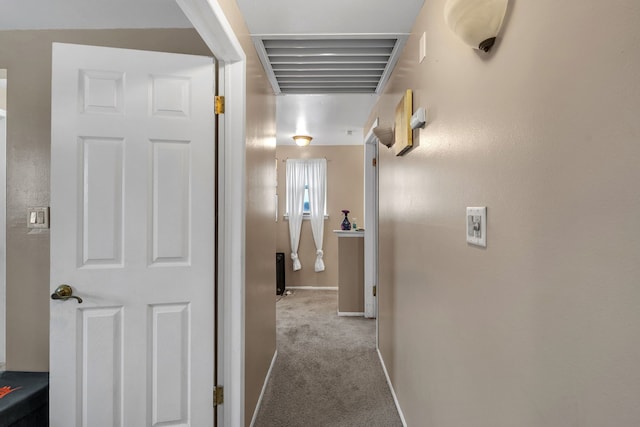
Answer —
132 232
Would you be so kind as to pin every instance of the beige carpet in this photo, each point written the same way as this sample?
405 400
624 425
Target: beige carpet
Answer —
327 372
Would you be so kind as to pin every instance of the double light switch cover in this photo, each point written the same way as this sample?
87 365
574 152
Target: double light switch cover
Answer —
38 217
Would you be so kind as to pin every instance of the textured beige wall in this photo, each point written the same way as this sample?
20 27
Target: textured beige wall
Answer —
260 272
27 57
345 190
540 328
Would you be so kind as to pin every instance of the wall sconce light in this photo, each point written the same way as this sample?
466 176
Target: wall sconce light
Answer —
302 140
476 22
385 135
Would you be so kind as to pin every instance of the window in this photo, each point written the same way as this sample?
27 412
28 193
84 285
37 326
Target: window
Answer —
305 203
306 206
306 200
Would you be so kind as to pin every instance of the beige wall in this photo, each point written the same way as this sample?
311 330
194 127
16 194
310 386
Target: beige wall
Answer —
345 190
540 328
260 276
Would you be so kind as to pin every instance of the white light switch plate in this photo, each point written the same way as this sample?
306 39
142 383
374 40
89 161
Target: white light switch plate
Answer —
477 226
423 47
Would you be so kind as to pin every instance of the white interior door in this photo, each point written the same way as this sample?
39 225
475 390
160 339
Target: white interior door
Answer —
132 232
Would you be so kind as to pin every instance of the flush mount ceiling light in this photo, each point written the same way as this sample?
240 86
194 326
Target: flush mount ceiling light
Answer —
302 140
476 22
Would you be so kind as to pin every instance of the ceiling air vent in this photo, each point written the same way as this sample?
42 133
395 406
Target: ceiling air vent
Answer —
330 64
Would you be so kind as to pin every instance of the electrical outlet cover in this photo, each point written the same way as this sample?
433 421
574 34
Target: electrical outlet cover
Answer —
477 226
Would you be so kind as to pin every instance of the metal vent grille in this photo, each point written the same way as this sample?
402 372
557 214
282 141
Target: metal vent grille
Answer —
329 65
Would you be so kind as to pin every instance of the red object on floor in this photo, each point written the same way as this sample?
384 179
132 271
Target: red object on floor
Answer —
6 390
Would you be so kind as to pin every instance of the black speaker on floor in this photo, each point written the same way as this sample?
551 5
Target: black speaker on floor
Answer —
279 273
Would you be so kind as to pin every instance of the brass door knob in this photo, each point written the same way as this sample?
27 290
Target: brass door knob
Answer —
64 292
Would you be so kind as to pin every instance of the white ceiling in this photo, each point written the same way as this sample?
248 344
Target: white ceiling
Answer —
90 14
327 117
330 119
329 16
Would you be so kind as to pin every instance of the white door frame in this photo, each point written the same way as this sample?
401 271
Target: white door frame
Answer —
209 20
371 226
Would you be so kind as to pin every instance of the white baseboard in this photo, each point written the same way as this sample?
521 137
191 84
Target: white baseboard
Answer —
351 314
393 392
313 288
264 387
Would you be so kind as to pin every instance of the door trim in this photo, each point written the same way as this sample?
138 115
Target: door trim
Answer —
371 227
212 25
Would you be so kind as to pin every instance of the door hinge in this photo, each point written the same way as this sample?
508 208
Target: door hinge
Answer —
374 162
218 396
219 104
374 290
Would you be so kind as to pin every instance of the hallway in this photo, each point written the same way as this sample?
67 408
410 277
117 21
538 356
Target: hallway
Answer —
327 372
538 328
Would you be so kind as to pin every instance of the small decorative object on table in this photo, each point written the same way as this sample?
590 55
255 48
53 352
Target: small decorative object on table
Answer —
346 225
354 227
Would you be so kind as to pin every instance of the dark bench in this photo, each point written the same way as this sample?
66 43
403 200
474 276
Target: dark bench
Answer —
24 399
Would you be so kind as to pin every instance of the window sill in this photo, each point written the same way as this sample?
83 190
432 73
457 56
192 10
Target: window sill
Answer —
306 217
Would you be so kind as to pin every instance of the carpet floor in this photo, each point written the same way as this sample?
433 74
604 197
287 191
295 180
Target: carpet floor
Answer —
327 373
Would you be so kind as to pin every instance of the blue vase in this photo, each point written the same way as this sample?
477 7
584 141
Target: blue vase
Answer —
346 225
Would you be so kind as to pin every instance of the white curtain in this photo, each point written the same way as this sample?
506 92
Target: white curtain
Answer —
317 181
296 176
